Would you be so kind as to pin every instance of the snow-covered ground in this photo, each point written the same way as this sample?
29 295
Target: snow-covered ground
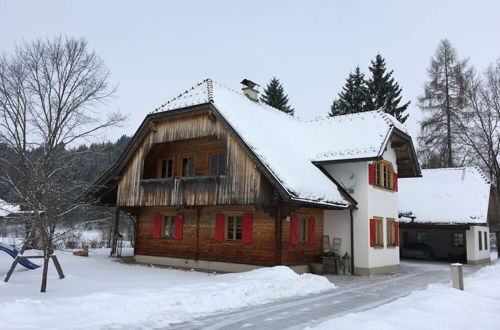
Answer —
100 293
437 307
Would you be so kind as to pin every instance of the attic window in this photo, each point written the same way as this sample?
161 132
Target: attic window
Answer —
218 164
384 175
187 166
166 167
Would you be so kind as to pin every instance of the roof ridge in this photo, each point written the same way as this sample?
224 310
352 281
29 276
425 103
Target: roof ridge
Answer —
208 81
340 117
261 104
448 168
461 168
386 117
482 174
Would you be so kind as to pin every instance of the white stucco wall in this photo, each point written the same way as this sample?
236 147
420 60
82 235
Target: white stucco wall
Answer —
472 241
383 203
339 172
338 224
371 202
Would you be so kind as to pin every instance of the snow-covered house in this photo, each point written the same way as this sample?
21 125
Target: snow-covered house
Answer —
218 180
445 215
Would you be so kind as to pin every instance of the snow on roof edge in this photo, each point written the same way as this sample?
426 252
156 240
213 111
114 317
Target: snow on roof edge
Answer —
458 195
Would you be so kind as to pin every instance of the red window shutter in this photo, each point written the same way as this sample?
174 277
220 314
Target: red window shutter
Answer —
247 228
395 182
179 224
157 226
312 230
371 174
396 233
219 227
372 232
294 230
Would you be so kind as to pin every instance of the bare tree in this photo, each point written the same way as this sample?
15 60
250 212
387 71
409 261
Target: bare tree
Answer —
49 92
442 100
478 124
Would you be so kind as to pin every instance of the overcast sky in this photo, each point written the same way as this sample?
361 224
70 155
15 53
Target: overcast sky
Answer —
157 49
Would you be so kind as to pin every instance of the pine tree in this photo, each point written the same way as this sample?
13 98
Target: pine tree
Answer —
274 95
384 92
353 97
443 99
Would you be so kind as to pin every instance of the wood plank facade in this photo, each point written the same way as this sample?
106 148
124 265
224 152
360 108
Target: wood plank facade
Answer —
199 242
196 135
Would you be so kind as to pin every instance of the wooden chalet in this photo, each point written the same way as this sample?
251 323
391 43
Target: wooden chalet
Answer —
219 181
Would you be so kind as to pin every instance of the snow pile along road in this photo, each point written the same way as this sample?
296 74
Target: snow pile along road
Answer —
437 307
166 296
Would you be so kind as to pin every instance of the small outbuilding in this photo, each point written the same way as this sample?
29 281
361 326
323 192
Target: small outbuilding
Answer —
445 215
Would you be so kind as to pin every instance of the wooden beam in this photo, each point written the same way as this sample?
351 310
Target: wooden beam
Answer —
278 234
198 217
58 266
30 257
399 145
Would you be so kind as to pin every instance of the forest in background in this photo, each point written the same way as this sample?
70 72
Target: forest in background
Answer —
91 162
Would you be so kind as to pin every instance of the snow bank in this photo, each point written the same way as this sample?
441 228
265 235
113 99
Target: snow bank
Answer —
142 297
437 307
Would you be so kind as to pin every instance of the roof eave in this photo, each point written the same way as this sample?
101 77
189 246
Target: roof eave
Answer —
330 205
407 138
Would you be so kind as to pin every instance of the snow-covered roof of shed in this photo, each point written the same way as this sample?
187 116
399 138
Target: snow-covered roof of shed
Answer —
288 145
445 196
7 208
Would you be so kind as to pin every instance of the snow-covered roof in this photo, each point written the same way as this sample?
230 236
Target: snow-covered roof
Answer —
7 208
288 145
445 196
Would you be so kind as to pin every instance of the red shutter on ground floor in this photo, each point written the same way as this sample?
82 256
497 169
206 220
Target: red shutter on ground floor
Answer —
179 224
247 228
371 174
312 230
157 226
395 182
373 233
396 233
219 227
294 230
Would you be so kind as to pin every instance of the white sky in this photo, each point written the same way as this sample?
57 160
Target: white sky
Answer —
157 49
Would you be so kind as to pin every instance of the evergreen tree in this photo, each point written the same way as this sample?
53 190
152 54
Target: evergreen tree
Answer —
353 97
274 95
441 103
384 92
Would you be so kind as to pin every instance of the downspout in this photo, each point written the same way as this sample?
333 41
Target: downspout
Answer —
352 240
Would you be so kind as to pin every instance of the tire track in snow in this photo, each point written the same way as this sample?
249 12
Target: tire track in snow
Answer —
243 318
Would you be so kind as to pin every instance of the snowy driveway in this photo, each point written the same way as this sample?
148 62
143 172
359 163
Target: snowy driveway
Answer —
353 294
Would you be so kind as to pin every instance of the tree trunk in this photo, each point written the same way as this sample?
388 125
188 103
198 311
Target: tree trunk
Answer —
114 241
497 235
46 258
448 115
